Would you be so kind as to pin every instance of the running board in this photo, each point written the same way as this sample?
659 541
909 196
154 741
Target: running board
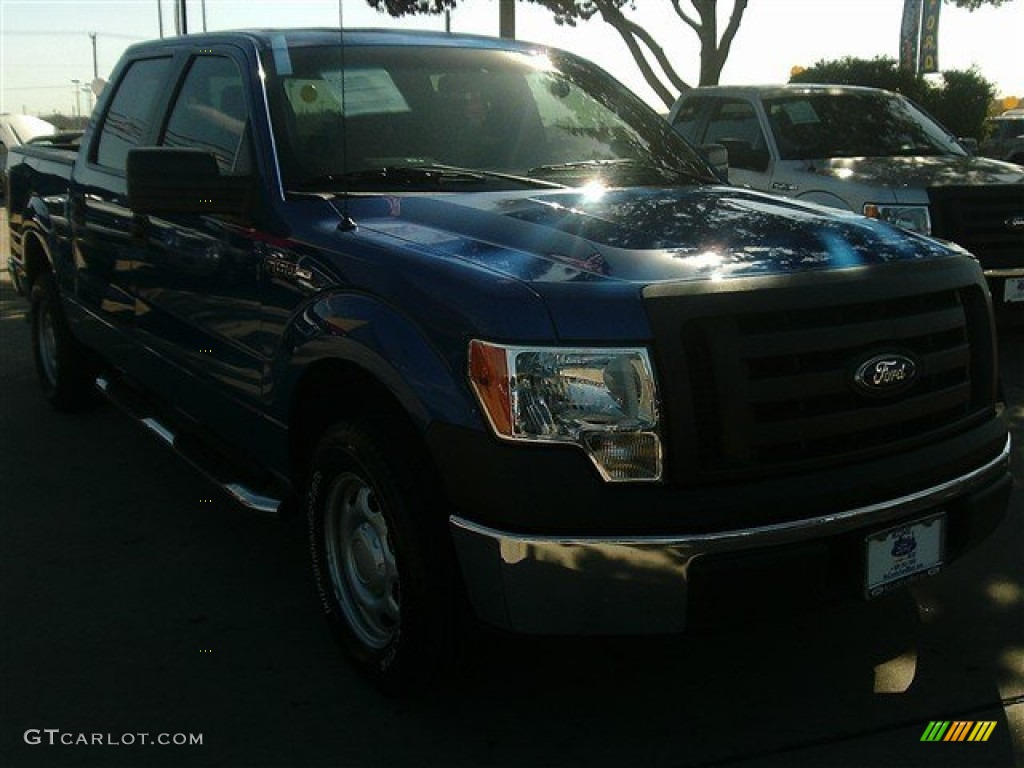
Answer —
201 457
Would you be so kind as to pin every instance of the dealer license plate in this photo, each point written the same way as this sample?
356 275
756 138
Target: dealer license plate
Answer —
1014 290
898 555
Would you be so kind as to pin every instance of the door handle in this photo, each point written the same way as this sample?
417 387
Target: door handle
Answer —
139 229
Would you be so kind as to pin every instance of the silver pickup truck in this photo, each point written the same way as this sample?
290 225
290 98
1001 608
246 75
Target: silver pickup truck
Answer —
1005 139
871 152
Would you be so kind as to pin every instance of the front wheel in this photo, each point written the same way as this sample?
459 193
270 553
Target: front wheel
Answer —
63 364
382 557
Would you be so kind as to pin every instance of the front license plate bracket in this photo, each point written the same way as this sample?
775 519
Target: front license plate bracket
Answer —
1013 290
903 553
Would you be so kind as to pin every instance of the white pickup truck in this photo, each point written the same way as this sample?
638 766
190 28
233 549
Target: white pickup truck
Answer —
872 152
15 130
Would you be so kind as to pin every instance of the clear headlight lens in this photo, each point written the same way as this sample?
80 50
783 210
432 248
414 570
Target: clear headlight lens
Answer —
603 400
912 217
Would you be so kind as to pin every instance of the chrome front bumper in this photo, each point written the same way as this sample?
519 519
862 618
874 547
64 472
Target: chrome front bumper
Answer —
587 585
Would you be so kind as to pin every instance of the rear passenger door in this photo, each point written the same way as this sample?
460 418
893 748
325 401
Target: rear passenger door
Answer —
198 279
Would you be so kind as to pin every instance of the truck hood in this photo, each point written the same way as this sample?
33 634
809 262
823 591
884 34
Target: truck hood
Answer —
640 235
917 172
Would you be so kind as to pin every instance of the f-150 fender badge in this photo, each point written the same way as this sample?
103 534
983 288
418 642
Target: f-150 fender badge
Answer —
884 375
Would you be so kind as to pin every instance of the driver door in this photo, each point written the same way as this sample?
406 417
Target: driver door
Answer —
734 124
198 278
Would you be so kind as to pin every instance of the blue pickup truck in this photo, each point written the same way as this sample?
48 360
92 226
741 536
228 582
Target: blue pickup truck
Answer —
512 347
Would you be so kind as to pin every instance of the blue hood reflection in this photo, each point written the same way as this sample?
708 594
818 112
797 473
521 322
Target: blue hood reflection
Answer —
640 235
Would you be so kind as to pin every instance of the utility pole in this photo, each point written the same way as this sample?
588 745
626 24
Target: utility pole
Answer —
160 17
180 17
78 97
507 19
95 66
203 6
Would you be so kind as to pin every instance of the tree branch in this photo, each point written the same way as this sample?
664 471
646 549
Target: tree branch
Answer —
412 7
685 16
638 55
615 17
730 31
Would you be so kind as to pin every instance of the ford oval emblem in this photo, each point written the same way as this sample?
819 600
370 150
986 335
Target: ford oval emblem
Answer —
1016 223
885 374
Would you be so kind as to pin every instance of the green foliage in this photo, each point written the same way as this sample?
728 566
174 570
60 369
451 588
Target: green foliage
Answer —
566 12
973 5
879 72
960 101
412 7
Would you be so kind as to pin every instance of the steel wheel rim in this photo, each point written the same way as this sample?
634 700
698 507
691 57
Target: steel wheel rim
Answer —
361 561
47 343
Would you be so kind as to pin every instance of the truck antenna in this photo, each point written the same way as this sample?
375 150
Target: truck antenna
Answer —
344 124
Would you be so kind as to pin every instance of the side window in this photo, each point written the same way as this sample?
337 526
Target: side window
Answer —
210 114
131 111
688 118
734 125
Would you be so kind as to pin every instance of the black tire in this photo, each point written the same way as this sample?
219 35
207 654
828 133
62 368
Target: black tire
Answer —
64 366
382 556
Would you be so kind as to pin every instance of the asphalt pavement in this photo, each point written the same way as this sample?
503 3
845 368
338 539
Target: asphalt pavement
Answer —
135 598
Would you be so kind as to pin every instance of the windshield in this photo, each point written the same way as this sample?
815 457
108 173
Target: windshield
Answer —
460 118
854 124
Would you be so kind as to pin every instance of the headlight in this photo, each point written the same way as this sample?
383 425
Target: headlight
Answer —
602 400
912 217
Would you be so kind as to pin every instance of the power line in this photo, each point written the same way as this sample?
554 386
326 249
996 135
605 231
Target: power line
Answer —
32 87
40 33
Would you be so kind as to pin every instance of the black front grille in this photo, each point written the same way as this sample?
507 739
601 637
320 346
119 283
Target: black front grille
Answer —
978 218
770 391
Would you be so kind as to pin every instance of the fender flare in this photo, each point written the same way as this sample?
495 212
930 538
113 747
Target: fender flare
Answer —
36 225
825 198
382 342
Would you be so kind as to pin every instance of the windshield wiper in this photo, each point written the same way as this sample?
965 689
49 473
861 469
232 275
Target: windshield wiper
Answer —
621 163
418 175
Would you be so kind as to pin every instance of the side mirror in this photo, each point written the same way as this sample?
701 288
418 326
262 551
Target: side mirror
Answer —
717 157
970 144
168 180
743 155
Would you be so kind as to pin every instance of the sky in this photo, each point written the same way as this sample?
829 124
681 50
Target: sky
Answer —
45 44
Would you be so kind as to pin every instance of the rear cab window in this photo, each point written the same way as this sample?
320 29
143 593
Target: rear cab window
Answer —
210 113
130 115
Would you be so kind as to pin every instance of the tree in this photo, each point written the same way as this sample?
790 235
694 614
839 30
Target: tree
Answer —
973 5
702 19
960 102
700 16
412 7
646 51
879 72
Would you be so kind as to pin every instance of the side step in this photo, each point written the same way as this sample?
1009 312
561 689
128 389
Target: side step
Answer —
197 453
